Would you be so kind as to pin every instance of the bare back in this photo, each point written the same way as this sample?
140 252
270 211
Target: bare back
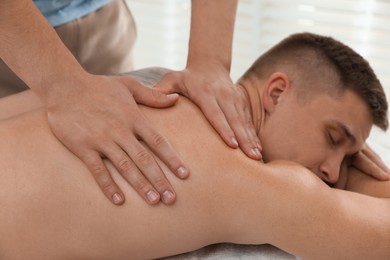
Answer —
54 203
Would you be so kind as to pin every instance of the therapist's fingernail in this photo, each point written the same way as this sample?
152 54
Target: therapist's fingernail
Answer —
182 172
234 141
152 196
173 96
256 153
259 153
167 196
117 198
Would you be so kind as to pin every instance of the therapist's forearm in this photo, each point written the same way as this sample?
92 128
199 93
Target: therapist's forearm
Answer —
212 26
32 49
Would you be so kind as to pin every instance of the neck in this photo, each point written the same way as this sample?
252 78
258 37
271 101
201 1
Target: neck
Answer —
253 92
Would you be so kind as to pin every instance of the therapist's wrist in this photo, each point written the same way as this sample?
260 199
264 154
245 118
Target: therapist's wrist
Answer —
59 86
199 61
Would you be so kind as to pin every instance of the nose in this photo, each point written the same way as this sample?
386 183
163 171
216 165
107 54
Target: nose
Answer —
330 170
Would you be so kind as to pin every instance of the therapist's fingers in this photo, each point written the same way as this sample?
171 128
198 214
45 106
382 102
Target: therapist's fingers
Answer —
217 119
152 173
130 172
172 82
239 118
204 98
162 148
149 96
95 164
231 121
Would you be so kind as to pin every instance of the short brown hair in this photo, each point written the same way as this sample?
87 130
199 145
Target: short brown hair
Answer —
313 58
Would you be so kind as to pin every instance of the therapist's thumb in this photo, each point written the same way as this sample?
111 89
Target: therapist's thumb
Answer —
152 97
170 83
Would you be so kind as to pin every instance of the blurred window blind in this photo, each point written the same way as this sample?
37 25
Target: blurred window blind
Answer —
162 32
163 29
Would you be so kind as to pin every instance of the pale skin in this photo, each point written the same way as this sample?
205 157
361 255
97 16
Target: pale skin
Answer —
110 125
51 208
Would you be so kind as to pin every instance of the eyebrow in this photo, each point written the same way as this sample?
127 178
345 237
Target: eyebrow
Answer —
347 132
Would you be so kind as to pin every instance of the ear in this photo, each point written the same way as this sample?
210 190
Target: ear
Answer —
278 83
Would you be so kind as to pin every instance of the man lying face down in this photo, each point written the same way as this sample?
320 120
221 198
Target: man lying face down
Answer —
313 101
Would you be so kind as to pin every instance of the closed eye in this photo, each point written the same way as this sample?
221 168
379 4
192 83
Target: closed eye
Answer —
331 139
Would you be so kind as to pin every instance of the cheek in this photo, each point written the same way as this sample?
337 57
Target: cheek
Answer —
296 141
281 143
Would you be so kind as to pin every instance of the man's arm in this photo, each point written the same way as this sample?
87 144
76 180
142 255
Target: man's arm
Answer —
357 181
94 116
370 163
299 213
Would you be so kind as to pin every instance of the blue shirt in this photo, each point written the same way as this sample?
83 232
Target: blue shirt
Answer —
59 12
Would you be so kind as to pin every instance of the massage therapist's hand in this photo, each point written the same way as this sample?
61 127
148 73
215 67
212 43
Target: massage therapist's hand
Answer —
222 102
94 116
100 119
371 164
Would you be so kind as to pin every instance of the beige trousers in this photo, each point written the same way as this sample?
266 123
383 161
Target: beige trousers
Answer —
102 42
